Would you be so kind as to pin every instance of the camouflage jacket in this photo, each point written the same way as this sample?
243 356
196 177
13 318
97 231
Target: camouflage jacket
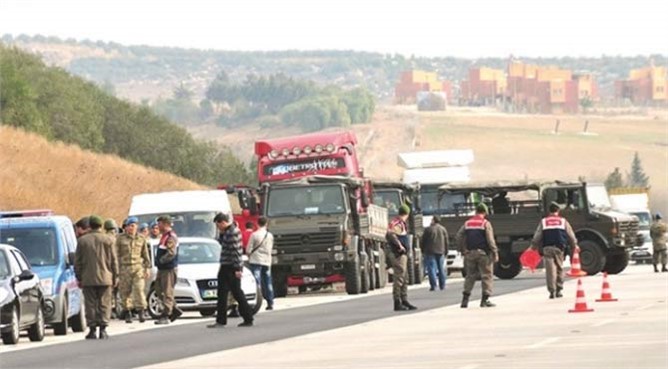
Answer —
132 251
658 233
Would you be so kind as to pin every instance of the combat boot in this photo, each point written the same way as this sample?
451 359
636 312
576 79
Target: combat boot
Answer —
91 334
656 268
128 316
142 315
408 305
465 301
398 306
484 302
559 294
663 268
176 313
103 332
551 295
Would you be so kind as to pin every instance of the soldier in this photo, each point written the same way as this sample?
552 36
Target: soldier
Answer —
552 237
134 268
96 269
144 231
111 228
81 227
230 272
476 242
397 239
167 261
155 230
658 233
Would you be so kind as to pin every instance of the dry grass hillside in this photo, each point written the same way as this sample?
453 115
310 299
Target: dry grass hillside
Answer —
35 173
511 147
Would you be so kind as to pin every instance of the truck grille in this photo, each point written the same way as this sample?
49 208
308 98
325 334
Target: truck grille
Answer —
630 231
307 242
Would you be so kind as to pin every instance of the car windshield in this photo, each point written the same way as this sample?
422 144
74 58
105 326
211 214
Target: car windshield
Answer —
389 200
199 252
194 224
644 219
433 205
4 266
305 201
37 244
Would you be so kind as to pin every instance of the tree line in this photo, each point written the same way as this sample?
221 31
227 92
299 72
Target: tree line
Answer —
51 102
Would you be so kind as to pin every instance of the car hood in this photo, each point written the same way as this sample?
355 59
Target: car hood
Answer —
198 271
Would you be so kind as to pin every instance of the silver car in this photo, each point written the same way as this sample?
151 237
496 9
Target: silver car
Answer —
197 283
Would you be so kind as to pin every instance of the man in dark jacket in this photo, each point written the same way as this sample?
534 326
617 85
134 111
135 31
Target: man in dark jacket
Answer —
167 262
230 272
397 237
434 247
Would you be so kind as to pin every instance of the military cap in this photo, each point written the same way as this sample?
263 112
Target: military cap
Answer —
153 224
165 219
143 226
554 206
95 220
110 224
131 220
481 208
404 210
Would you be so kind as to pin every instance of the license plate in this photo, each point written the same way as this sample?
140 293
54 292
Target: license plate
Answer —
308 267
210 293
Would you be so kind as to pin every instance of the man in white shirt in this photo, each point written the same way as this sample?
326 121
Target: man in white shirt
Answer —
259 256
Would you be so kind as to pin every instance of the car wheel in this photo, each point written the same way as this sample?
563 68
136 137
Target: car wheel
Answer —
154 304
36 331
258 301
11 337
78 322
60 329
207 312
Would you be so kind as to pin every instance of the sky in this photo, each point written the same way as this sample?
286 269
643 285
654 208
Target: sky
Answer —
466 28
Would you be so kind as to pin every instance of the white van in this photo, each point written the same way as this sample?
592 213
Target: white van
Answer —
192 211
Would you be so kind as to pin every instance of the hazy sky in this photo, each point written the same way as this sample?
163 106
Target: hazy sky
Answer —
466 28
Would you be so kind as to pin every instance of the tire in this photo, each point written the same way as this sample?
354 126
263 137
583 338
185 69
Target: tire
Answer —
60 329
410 268
280 284
372 271
381 272
616 263
419 267
154 305
592 258
78 322
12 337
508 267
207 312
353 276
36 330
364 273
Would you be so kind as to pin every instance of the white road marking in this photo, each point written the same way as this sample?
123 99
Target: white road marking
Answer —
470 366
644 307
542 343
603 322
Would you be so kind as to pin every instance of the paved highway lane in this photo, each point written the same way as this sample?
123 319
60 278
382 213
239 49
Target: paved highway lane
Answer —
178 342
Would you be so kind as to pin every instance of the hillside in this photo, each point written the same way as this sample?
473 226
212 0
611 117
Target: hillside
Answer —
36 173
510 147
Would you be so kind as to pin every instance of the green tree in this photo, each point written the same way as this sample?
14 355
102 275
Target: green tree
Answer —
637 177
614 180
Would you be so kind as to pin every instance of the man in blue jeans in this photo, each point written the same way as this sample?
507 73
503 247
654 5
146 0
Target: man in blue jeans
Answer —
434 248
259 257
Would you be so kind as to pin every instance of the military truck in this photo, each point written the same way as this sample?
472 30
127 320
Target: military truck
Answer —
604 236
325 230
392 195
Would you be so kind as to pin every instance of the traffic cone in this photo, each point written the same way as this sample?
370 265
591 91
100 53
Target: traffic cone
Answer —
575 265
580 302
606 295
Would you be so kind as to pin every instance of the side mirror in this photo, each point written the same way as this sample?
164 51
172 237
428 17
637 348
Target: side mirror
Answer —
25 275
70 259
365 199
252 204
243 203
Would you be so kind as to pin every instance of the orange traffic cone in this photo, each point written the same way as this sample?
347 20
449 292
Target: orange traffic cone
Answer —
606 295
575 265
580 302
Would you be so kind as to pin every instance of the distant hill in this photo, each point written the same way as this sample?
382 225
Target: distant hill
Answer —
36 173
143 72
51 102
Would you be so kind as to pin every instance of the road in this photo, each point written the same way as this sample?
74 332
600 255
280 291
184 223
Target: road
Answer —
525 330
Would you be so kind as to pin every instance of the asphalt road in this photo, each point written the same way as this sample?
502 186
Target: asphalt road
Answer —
177 342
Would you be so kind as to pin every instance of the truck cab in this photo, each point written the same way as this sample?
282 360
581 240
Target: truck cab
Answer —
325 231
49 243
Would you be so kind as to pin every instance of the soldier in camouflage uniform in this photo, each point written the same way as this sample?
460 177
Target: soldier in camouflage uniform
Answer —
134 268
659 238
111 228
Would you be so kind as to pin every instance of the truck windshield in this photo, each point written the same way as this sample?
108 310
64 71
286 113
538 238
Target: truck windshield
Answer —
37 244
433 205
645 219
305 201
193 224
598 197
388 199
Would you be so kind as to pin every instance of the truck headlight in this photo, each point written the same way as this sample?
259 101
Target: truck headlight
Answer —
339 256
47 286
182 281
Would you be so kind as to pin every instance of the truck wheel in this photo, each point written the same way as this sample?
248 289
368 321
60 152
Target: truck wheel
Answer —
410 266
364 273
616 263
353 276
280 284
592 258
508 267
60 329
419 267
